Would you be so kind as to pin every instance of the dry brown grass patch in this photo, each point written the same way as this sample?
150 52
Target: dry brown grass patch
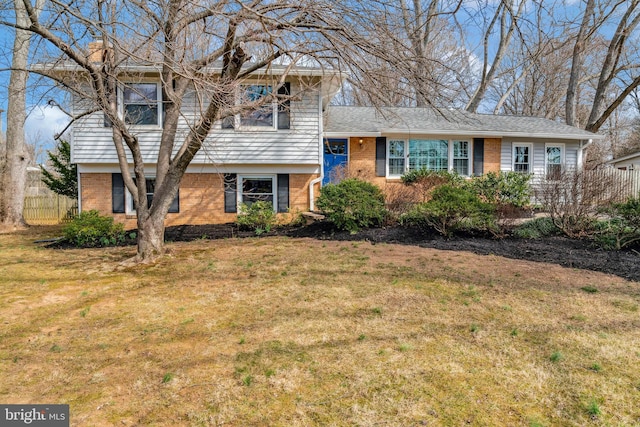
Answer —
278 331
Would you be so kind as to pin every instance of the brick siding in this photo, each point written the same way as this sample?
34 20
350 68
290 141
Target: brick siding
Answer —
492 154
201 198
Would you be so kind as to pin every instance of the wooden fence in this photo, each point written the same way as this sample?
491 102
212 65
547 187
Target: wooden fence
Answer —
595 188
623 183
49 209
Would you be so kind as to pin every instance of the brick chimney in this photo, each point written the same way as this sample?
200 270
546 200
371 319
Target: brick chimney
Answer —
96 51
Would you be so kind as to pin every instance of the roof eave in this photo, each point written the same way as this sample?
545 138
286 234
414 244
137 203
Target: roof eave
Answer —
495 134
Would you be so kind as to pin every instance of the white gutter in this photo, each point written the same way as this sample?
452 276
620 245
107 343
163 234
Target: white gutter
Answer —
79 192
312 184
581 149
495 134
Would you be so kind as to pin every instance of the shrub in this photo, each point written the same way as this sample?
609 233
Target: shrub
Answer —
425 181
452 209
623 227
537 228
503 188
572 199
258 217
352 204
90 229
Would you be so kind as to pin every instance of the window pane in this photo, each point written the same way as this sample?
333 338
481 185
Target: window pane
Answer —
261 116
396 157
141 93
521 159
554 162
428 154
461 157
141 104
554 155
141 114
254 189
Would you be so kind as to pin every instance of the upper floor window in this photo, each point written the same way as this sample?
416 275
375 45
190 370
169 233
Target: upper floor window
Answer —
141 103
274 114
431 154
522 158
261 116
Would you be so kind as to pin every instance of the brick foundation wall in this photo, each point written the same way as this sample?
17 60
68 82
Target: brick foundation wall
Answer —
201 198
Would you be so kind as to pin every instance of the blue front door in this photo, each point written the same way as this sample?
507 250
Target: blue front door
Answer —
335 160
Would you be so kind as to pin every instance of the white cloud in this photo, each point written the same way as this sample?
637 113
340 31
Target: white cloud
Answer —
43 123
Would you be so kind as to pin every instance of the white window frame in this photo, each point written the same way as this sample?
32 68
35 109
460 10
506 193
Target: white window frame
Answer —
274 111
129 206
546 157
469 156
528 145
405 157
121 104
449 155
274 186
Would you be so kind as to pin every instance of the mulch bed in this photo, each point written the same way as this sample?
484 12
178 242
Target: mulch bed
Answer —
571 253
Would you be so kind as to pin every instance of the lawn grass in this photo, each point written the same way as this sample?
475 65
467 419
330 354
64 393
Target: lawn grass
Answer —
284 332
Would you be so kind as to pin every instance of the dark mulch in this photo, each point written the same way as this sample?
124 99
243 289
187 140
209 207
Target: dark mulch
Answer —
571 253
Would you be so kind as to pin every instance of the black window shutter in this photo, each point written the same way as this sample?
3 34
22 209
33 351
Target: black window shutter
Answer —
230 193
175 205
283 192
117 193
478 156
284 107
381 156
106 121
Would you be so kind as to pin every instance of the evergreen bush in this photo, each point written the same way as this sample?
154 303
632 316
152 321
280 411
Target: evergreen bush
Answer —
258 217
90 229
352 204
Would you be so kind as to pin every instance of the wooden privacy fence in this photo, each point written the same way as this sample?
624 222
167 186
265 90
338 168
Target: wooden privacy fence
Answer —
49 209
593 188
621 184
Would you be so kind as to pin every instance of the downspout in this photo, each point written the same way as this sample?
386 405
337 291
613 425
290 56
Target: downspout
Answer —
313 182
581 152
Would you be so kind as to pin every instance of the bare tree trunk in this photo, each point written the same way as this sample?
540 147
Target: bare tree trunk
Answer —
150 238
506 32
14 173
576 64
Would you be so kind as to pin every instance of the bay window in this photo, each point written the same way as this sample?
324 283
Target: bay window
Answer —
431 154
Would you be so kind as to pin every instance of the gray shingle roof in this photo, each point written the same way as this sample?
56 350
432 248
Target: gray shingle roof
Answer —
370 120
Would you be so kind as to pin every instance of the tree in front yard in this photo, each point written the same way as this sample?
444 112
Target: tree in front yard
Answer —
209 48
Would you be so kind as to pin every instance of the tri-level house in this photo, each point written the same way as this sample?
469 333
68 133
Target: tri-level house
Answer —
283 152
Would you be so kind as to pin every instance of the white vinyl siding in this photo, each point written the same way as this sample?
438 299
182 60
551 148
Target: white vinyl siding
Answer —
539 154
93 142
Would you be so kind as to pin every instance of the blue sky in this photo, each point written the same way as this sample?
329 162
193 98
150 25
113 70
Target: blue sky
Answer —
43 121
